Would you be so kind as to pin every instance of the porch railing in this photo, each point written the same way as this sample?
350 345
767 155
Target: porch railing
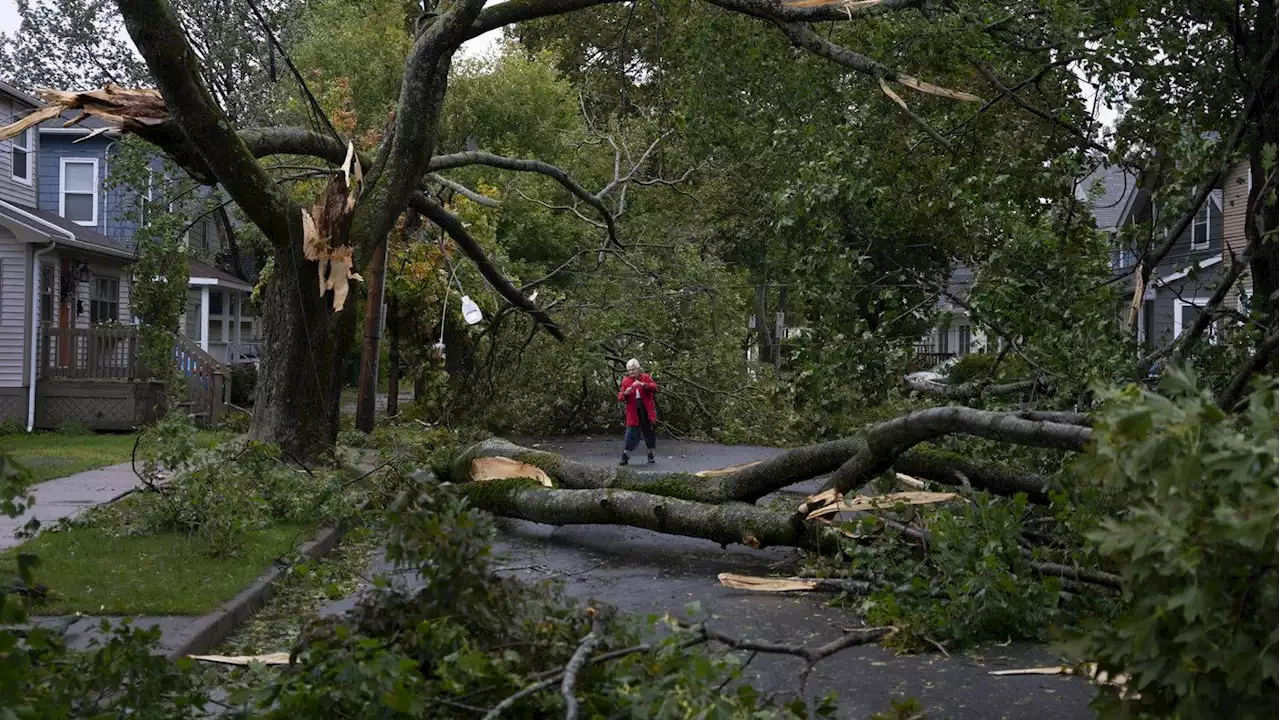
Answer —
208 381
244 351
98 353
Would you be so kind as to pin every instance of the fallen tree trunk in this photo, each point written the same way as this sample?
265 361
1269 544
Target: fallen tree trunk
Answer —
882 444
855 460
726 523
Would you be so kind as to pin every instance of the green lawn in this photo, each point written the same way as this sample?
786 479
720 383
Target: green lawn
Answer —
51 455
89 571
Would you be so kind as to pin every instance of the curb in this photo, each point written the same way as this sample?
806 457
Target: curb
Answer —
209 630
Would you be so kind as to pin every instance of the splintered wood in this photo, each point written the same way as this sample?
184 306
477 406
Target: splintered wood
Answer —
725 471
762 584
326 229
830 505
279 658
1089 670
121 108
500 468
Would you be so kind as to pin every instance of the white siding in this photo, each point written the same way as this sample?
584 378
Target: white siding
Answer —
14 304
11 190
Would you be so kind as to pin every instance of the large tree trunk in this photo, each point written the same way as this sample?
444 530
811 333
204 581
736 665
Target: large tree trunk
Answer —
305 343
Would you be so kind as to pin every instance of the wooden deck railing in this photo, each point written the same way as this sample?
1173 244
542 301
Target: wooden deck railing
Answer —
100 353
208 381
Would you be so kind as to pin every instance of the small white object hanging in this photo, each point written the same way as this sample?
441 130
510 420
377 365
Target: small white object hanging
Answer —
470 311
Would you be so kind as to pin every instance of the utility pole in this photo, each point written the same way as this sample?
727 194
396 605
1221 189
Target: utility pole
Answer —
393 358
780 327
763 342
366 401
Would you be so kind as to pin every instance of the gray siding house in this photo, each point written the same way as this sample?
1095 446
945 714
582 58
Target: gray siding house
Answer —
1185 278
68 337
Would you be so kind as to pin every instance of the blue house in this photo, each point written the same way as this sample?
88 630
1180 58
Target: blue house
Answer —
66 252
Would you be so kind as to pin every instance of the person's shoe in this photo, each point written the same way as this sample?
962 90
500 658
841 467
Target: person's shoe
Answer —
624 460
651 458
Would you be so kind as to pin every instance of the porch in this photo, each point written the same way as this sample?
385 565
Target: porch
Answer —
96 376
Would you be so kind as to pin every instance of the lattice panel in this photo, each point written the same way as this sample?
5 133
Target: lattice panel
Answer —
13 407
87 410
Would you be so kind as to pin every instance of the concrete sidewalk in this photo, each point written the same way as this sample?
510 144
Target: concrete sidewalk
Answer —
69 496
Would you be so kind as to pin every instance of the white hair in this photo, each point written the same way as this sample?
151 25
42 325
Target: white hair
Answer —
633 364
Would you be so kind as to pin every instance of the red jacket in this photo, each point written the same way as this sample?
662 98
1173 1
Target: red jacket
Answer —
647 388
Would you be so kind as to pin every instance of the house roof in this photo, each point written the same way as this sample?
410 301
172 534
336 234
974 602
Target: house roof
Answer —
203 273
85 238
11 90
54 126
1118 187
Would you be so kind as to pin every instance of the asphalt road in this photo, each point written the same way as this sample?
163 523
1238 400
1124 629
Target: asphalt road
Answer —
646 572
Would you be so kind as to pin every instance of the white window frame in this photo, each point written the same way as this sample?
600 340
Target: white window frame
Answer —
30 150
1206 222
1197 302
62 188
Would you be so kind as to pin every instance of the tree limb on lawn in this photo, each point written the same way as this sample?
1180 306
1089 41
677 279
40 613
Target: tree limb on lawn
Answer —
973 389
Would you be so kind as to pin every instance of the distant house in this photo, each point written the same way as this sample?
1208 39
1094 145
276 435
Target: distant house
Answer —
67 341
1184 279
956 333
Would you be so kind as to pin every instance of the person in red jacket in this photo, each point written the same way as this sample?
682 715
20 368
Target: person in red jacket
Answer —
637 393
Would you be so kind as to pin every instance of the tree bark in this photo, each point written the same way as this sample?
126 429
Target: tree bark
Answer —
304 344
725 524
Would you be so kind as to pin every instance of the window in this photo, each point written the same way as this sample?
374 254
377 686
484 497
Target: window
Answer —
104 300
79 199
23 154
215 302
1200 228
944 340
965 339
46 294
1186 312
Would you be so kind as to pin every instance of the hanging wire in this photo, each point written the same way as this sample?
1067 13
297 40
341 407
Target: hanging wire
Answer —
317 111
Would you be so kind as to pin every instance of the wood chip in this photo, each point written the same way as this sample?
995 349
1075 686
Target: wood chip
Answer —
278 658
726 471
500 468
879 502
909 481
762 584
1057 670
813 502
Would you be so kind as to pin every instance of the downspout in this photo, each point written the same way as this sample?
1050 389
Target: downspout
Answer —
35 330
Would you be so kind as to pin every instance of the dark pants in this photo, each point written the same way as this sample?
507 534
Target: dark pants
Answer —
632 438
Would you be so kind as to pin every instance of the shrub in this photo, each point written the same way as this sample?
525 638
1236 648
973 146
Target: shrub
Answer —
1194 536
244 379
12 426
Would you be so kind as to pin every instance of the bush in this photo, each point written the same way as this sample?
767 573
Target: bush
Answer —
12 426
1194 537
244 379
73 428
